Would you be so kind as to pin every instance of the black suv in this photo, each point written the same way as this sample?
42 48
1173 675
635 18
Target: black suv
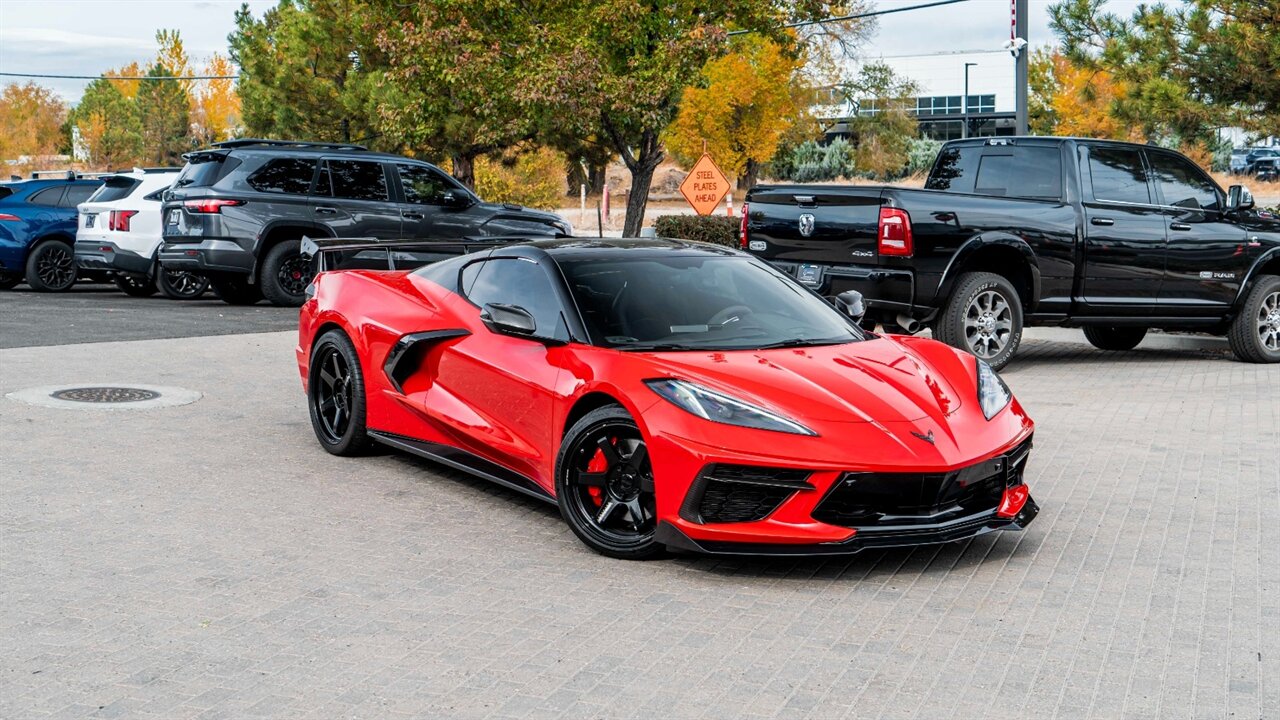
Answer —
239 209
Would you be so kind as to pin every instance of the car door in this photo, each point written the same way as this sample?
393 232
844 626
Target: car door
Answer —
506 385
1207 255
422 190
1124 233
353 199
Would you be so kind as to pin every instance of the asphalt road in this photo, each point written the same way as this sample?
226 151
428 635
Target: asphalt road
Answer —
211 561
98 312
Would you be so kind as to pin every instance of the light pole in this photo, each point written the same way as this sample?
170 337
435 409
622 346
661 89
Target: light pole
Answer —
965 132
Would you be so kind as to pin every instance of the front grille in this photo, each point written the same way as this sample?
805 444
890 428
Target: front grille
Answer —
740 493
868 500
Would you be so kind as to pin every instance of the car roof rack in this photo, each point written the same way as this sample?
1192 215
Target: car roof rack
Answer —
65 175
251 142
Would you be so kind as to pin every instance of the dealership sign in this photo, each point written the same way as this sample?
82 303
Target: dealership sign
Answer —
705 186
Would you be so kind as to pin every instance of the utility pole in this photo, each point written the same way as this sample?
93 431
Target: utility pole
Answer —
1022 51
965 132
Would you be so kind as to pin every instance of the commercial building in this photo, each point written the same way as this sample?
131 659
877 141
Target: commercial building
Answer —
940 105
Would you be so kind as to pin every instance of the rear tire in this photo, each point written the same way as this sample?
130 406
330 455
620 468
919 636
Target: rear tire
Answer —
180 284
285 274
135 285
983 317
1115 338
236 291
336 396
9 282
51 267
1255 333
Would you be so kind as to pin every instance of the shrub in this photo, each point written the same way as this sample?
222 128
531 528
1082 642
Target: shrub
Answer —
812 162
714 229
921 153
534 178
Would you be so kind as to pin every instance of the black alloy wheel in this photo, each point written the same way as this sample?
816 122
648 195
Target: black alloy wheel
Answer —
51 267
286 274
336 398
605 487
181 285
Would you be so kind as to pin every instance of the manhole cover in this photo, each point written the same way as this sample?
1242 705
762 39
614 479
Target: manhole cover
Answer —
105 394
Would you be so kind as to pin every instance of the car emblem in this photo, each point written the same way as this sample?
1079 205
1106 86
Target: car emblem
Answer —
927 438
806 224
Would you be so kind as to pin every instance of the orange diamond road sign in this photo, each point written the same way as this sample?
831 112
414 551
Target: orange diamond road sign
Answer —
705 186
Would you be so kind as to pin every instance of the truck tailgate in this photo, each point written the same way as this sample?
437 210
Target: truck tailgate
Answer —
815 224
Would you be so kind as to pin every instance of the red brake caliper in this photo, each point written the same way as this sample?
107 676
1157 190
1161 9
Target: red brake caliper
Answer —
597 465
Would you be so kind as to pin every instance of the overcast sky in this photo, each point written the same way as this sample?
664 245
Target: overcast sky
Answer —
86 37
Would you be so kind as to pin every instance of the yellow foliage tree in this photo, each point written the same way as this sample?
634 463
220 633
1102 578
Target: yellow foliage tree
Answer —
31 119
1082 101
215 104
127 88
745 104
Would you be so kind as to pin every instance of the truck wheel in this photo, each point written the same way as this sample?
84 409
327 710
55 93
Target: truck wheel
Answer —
983 317
51 267
1115 338
236 290
1255 333
181 285
285 274
135 285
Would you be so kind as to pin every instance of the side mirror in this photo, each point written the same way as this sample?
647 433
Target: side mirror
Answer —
456 200
850 303
508 319
1239 198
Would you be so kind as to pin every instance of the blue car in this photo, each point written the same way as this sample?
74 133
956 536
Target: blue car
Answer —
38 231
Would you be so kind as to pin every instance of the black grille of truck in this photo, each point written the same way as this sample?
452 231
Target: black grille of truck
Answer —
740 493
867 500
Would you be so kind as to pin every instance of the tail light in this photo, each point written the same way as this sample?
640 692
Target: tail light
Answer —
742 233
119 220
210 205
894 234
6 217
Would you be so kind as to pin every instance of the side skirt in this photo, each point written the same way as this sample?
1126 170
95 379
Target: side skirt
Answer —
467 462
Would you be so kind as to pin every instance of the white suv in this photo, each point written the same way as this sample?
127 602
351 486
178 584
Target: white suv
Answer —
119 231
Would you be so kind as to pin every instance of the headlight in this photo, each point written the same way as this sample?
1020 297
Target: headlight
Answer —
993 394
718 407
564 227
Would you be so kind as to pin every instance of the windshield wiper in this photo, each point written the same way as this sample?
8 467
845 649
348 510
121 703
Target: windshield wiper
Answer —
799 342
655 346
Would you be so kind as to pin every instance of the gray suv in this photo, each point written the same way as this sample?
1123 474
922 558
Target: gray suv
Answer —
239 209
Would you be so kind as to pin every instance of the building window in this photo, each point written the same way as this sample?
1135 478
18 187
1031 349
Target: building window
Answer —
982 103
938 105
869 107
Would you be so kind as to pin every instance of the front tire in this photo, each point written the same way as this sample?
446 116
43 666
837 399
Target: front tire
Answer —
1116 339
135 285
336 396
1255 333
605 487
180 284
236 291
51 267
983 317
285 274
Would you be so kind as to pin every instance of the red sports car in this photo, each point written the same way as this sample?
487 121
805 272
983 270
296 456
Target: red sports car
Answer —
664 394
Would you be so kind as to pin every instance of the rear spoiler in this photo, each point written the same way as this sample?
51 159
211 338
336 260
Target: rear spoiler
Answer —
374 254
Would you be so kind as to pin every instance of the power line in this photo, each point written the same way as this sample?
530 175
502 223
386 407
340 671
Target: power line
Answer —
872 13
104 77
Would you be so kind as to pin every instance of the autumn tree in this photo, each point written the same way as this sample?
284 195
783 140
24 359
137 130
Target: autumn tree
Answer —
1067 98
215 104
308 71
882 132
1188 69
31 120
109 125
743 106
453 83
164 114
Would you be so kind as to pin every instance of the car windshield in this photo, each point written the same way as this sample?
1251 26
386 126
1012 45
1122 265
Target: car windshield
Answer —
699 303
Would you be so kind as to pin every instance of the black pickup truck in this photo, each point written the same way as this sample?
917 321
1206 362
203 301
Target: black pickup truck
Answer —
1112 237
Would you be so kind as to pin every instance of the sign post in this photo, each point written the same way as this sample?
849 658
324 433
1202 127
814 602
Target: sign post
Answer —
705 186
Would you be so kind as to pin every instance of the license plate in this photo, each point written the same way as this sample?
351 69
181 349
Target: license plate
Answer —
174 216
809 275
89 218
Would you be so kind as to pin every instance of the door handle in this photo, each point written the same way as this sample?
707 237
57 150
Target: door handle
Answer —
1102 221
412 215
326 210
1179 226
